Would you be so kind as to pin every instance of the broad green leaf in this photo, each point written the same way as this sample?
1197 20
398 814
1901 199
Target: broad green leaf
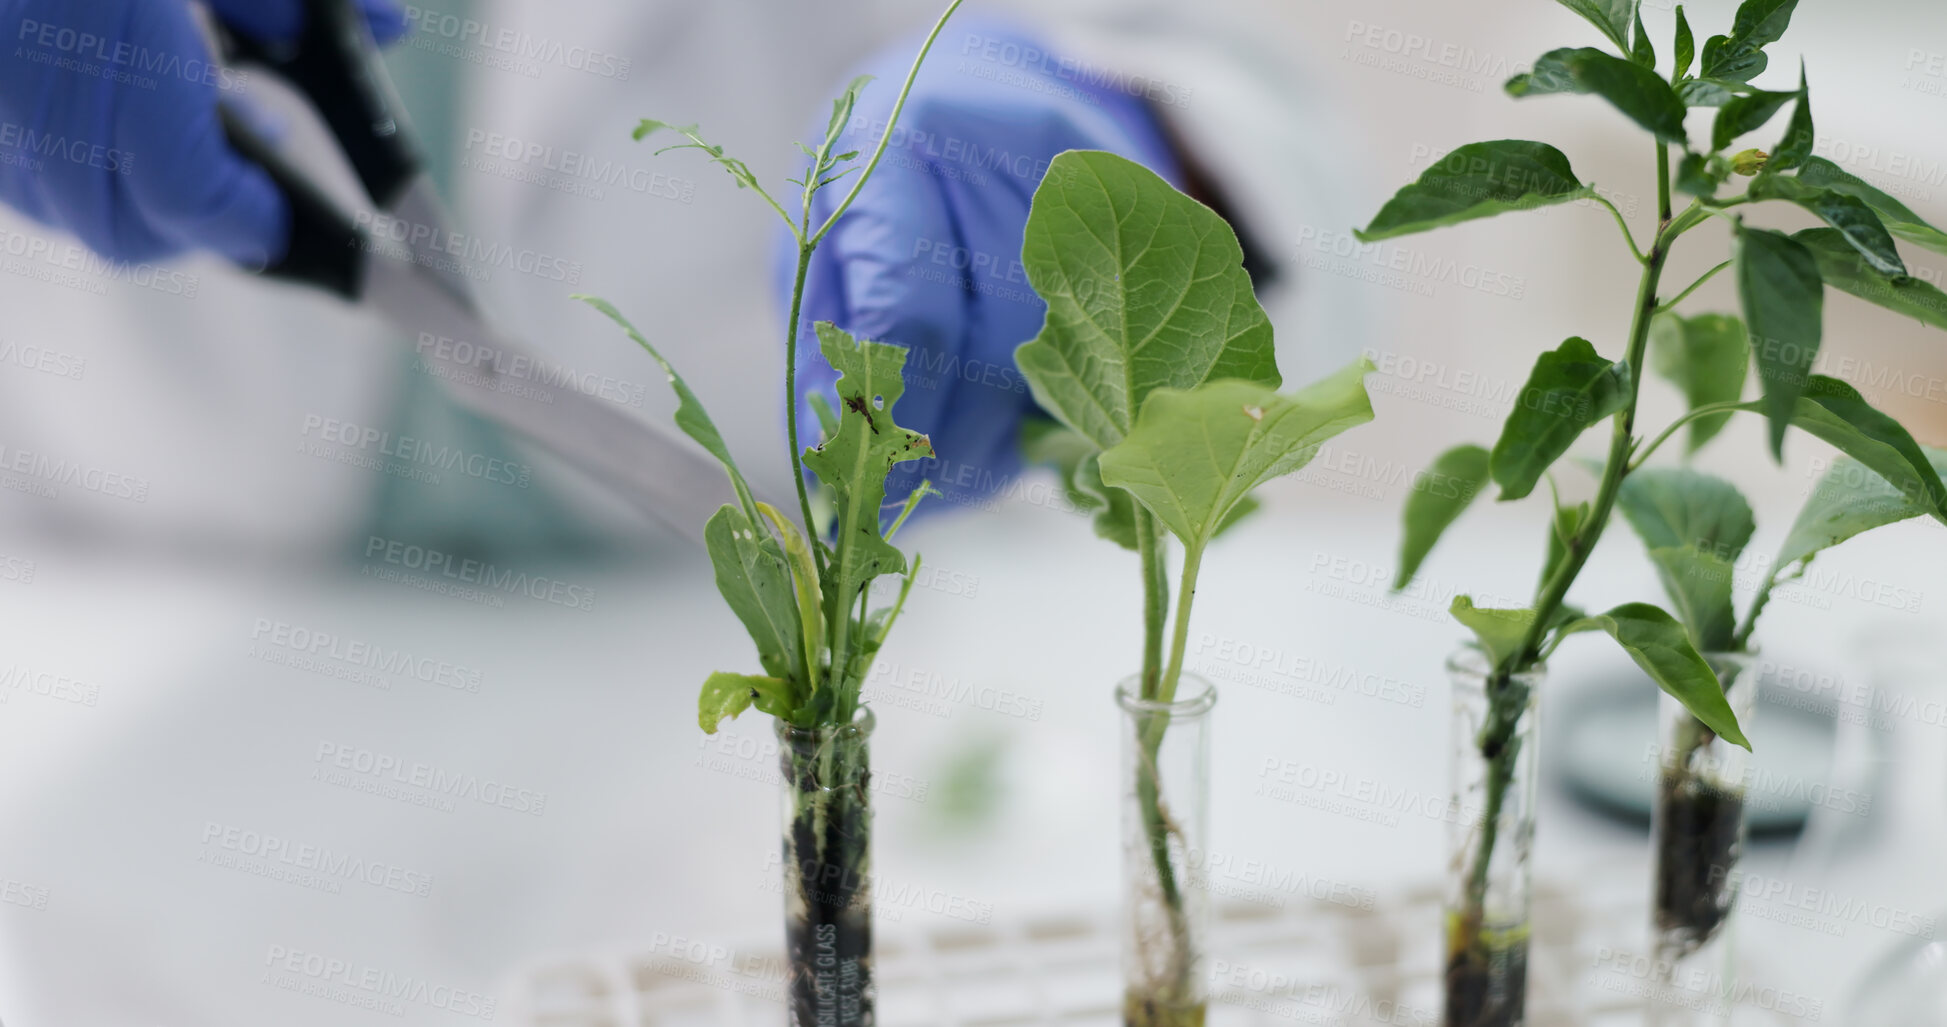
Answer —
1848 501
1658 644
725 695
1145 288
1476 181
1709 92
1740 55
1796 147
1847 213
1747 113
690 415
1833 411
1195 454
1563 526
754 580
1074 459
1706 356
1437 498
1636 91
1570 388
1845 269
1783 298
1898 217
1673 507
1699 586
807 589
854 463
1612 17
1641 50
1686 46
1499 631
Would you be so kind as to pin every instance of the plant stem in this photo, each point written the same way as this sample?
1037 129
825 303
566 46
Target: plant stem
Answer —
1628 236
1506 696
1156 600
1692 287
791 404
1703 411
1185 595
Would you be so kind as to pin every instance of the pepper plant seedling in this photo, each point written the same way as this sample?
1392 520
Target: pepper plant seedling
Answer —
1781 281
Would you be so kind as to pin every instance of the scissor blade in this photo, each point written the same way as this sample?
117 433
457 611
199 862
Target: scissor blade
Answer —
422 214
672 482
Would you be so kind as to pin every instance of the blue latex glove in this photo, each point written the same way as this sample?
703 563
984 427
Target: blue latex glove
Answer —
929 256
108 125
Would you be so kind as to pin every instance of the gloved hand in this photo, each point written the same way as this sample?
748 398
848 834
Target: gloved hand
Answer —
108 125
929 256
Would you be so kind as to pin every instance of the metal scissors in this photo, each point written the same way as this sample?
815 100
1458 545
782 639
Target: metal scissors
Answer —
419 288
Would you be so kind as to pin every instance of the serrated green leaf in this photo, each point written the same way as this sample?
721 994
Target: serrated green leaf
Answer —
1782 295
1570 388
690 415
1849 500
752 576
1833 411
1705 356
1634 90
1641 50
1796 146
1740 55
1438 497
1659 645
1612 17
1842 267
1747 113
1686 46
854 463
1195 454
1674 507
1499 631
1843 211
1898 217
725 695
1476 181
1145 288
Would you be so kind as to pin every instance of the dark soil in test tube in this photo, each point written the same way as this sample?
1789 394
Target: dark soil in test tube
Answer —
1696 847
828 920
1487 987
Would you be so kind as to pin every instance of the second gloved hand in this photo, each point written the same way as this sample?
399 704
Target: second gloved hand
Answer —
109 130
929 256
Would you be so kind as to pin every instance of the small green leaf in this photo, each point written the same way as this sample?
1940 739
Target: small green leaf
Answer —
1641 50
1686 46
1747 113
1437 498
842 111
1783 298
1476 181
1634 90
1699 585
690 415
1849 500
1796 147
1833 411
1705 356
725 695
1709 92
1659 645
1700 176
1562 528
1898 217
827 420
1500 631
1673 507
1073 457
1570 388
1843 211
1195 454
751 574
1842 267
1145 288
1612 17
1740 55
806 588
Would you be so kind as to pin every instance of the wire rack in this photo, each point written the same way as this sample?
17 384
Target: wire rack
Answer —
1304 962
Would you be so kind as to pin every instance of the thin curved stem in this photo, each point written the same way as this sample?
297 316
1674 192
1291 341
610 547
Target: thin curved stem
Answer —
1692 287
1628 236
884 140
1703 411
791 405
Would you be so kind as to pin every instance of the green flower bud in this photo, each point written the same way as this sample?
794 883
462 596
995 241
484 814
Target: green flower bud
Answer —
1749 162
